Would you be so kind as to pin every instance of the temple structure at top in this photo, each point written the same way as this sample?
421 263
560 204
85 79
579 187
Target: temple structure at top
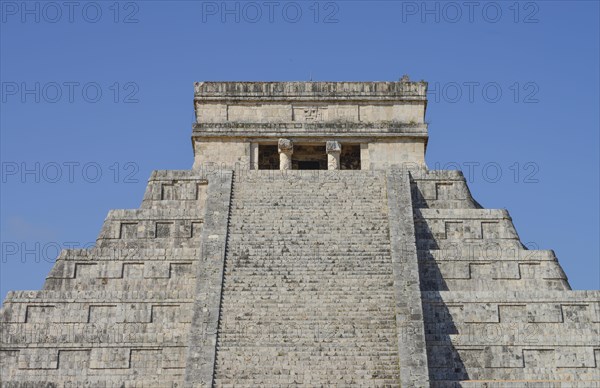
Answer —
310 125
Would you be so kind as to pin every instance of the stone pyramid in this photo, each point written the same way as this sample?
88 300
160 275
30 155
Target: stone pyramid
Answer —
309 245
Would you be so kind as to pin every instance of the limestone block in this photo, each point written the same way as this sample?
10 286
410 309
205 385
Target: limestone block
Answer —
110 358
211 113
409 113
173 357
214 155
260 113
38 358
407 154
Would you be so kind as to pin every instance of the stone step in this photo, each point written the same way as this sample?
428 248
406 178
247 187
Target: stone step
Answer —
308 255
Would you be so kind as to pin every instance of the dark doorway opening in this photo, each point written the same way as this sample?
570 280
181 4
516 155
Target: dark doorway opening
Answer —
268 157
309 157
309 165
350 157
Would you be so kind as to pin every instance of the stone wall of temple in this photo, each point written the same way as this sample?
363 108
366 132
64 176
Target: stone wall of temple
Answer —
387 119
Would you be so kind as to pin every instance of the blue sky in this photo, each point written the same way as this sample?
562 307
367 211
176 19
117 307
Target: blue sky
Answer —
96 96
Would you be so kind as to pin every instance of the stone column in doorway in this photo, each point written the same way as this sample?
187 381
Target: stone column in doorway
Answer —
334 149
286 149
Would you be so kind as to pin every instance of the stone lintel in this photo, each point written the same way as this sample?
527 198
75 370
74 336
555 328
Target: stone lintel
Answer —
353 132
308 137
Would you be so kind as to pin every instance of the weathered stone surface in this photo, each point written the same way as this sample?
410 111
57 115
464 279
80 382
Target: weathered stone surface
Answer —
308 296
286 149
118 314
409 312
334 150
205 323
391 276
386 118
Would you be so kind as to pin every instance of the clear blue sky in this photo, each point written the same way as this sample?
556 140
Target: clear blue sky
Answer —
543 57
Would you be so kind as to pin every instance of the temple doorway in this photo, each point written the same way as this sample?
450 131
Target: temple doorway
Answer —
268 157
309 157
350 157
